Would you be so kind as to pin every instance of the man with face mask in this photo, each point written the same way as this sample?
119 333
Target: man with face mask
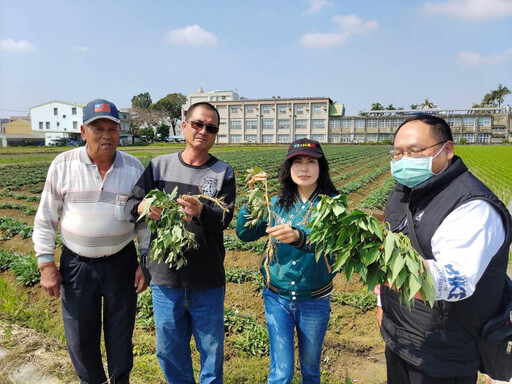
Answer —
463 231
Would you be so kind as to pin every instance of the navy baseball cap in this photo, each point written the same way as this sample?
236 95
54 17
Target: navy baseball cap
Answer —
305 147
100 109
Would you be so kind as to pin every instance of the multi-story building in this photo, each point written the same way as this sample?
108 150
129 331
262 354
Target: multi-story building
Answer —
472 125
280 120
273 120
62 120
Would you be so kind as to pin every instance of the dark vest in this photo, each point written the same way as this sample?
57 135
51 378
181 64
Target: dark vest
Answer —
432 339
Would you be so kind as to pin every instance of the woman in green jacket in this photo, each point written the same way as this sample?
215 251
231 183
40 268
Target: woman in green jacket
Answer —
297 287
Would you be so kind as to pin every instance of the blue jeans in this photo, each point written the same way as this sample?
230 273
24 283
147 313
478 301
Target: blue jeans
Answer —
310 318
179 314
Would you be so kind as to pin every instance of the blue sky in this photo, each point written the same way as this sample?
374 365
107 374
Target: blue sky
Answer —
356 52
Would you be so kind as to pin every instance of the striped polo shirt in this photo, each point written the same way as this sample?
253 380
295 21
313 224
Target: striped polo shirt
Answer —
91 210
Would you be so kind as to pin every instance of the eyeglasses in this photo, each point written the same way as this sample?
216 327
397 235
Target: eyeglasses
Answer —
396 154
210 128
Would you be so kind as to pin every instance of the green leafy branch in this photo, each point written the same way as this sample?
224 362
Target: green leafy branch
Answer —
363 245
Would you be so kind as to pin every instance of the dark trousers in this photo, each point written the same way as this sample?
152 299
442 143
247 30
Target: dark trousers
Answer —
401 372
90 287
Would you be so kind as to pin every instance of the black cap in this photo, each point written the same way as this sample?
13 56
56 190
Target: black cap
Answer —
305 147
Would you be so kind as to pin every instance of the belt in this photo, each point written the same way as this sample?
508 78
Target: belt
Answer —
99 259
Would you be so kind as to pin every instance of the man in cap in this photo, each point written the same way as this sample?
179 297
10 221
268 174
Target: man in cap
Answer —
86 189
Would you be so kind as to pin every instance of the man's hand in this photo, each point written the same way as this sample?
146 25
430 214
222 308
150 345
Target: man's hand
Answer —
50 278
154 212
284 233
140 282
191 206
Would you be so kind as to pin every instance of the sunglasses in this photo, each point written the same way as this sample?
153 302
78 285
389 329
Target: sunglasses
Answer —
210 128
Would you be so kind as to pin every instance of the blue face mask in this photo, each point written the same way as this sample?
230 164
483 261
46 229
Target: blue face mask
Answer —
411 171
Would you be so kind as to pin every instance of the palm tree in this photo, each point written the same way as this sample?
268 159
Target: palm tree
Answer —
500 94
428 104
377 107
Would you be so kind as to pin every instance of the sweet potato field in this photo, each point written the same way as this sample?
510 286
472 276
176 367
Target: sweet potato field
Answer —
353 349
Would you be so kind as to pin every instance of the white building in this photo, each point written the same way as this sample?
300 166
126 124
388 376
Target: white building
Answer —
57 120
62 120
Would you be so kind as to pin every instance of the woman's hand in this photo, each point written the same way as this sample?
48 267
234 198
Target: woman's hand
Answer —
262 176
284 233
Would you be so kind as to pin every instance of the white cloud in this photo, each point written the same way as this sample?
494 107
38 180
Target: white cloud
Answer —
79 48
191 35
471 9
316 5
16 46
477 60
323 40
348 26
354 24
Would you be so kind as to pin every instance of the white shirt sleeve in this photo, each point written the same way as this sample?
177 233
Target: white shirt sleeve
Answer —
463 247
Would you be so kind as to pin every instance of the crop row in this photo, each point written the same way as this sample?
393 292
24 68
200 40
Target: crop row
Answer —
23 266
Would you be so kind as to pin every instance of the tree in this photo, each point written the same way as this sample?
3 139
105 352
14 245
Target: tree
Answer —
500 94
377 107
170 106
162 131
142 100
147 134
413 106
141 118
427 105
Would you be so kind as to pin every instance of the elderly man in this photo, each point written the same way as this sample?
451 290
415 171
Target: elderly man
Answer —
463 231
190 300
99 276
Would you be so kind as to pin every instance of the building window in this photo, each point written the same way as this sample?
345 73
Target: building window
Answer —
359 123
317 110
235 124
319 138
318 124
75 125
334 138
301 124
384 136
385 123
251 138
396 123
299 110
468 122
223 97
346 138
234 109
235 138
371 138
265 109
346 123
359 138
249 109
58 124
73 111
372 123
47 125
283 138
55 111
283 124
299 136
267 138
484 121
251 124
483 138
334 123
469 137
453 121
282 109
40 125
268 124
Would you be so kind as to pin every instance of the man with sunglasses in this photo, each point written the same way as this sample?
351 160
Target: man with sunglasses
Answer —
190 300
463 232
